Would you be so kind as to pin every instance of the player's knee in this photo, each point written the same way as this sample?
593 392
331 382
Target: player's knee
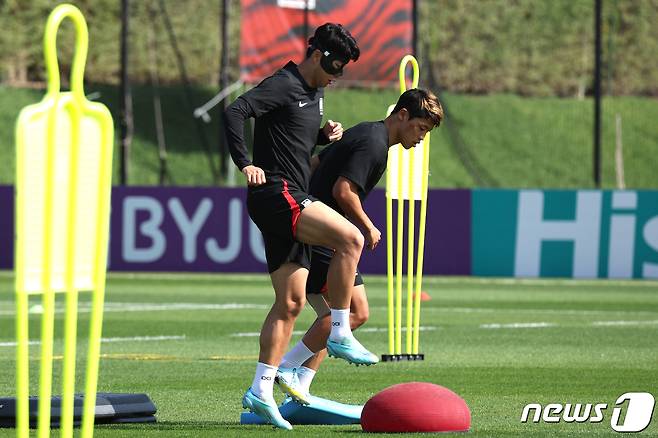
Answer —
295 305
353 242
292 307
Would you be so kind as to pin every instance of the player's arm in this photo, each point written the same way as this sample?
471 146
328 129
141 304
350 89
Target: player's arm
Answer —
234 118
260 100
346 194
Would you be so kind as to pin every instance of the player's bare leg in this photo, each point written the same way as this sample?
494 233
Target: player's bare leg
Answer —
289 283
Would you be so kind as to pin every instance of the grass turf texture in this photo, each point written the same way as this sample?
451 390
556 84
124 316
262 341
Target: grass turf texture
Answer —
520 142
197 381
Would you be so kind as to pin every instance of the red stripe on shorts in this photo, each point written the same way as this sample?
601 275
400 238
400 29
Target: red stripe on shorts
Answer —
294 207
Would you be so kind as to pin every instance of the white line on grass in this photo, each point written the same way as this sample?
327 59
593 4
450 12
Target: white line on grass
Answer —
150 307
106 340
363 330
522 310
550 324
519 325
147 307
621 323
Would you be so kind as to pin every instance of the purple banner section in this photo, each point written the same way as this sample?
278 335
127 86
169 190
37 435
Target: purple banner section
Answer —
183 229
209 230
447 233
6 227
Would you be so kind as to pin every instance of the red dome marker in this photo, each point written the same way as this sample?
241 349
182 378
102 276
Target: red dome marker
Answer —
416 407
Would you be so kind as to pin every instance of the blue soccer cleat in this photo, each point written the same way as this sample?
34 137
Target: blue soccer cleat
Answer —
351 350
268 411
288 381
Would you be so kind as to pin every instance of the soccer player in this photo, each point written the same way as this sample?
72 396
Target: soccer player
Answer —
346 172
288 108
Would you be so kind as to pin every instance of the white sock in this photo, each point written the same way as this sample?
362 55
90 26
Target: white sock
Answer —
296 356
340 324
305 376
263 384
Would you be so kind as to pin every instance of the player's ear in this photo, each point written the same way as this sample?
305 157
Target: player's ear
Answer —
403 115
316 56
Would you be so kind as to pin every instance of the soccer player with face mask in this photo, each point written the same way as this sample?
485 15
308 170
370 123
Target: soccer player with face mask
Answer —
288 110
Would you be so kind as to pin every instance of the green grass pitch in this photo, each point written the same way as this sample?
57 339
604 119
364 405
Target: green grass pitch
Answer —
500 344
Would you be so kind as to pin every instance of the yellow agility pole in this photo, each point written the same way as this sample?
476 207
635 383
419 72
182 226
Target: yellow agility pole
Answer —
410 252
63 184
402 183
421 241
398 270
389 262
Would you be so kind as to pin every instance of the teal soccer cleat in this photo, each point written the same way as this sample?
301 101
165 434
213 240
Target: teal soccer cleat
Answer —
268 411
352 351
287 380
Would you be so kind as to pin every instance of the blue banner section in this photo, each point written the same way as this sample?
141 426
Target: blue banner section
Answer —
565 233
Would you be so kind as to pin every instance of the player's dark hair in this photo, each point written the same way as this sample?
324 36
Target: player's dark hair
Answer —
420 103
336 39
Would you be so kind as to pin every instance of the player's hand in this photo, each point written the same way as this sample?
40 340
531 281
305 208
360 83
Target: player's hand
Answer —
373 236
333 130
255 175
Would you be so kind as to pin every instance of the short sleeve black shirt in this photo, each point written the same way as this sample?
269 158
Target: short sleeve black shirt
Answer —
288 115
360 156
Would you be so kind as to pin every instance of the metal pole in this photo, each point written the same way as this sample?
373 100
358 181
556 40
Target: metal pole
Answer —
125 102
223 83
597 93
306 24
414 20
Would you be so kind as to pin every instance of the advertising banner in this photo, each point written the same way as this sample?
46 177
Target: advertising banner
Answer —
565 233
209 230
504 233
197 229
276 31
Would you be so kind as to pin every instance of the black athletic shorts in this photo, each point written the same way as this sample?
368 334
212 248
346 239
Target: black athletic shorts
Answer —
317 277
275 208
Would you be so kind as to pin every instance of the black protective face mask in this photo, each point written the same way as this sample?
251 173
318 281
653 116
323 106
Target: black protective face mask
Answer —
327 62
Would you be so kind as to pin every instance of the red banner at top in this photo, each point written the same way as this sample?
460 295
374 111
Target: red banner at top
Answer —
276 31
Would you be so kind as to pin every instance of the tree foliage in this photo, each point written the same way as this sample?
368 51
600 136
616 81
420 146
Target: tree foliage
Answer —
528 47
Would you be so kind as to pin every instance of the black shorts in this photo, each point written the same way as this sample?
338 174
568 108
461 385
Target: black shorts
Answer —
275 208
317 277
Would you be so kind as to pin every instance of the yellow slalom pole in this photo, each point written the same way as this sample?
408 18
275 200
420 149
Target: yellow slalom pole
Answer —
73 108
48 297
98 300
410 232
398 273
402 73
22 301
410 250
389 260
22 366
41 129
71 316
421 240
